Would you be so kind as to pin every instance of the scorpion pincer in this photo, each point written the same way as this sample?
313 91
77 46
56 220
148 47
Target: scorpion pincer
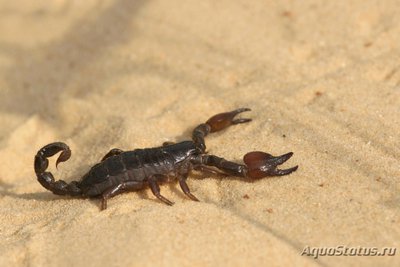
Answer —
120 171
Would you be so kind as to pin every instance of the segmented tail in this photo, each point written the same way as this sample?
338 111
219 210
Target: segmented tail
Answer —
46 179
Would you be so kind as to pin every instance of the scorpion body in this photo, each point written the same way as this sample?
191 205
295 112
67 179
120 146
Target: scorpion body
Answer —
121 171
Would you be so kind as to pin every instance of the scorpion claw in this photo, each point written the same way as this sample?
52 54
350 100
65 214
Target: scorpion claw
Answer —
279 172
283 158
241 121
223 120
240 110
261 164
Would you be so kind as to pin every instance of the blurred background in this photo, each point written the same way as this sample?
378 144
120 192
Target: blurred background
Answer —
322 79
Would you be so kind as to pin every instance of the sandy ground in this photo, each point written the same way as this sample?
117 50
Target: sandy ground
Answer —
322 78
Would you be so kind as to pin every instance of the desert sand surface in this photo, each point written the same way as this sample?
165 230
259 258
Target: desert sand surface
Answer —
322 79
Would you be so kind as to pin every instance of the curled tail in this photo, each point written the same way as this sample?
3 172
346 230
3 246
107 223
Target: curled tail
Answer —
46 179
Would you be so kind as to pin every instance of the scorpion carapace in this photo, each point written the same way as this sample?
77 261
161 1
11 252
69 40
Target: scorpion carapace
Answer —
121 171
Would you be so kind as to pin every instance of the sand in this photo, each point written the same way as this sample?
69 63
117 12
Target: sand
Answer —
322 79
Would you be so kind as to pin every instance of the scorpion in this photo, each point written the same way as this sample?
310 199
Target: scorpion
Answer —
121 171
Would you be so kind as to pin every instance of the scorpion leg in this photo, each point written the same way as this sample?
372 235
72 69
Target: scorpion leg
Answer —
185 187
155 189
119 188
112 152
216 123
257 165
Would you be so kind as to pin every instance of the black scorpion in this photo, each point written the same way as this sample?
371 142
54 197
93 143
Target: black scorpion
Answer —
120 171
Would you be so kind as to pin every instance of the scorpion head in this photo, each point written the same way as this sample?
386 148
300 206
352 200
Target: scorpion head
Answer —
192 151
183 150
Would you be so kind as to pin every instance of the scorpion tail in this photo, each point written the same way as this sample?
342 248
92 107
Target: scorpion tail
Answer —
46 179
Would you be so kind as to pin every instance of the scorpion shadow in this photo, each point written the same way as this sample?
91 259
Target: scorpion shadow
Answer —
6 190
46 196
